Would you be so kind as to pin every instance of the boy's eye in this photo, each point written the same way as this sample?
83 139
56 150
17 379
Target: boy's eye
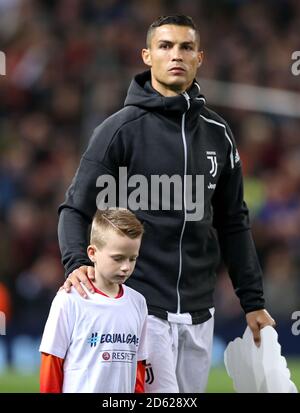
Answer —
119 259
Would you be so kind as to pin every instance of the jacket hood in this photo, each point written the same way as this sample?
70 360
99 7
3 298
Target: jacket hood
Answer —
142 94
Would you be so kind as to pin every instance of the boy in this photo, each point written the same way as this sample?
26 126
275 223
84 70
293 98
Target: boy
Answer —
94 345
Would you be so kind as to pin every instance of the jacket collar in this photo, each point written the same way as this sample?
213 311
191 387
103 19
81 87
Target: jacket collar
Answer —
142 94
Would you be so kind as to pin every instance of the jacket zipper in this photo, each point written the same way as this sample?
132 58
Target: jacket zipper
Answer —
184 198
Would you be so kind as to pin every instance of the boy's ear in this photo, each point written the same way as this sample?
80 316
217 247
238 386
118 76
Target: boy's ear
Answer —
91 251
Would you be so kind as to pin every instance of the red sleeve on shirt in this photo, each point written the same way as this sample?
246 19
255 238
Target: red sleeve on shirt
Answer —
51 374
140 377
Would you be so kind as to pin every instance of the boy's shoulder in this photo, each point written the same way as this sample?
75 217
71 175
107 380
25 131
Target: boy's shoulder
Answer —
135 294
63 298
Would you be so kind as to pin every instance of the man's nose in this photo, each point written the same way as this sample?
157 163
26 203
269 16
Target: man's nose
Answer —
177 55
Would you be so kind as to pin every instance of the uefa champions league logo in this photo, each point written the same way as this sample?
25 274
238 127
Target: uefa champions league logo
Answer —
106 356
2 64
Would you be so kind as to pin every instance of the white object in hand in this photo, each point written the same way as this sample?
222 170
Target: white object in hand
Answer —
258 369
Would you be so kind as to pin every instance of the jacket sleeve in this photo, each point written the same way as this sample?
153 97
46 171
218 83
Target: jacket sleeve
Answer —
76 213
231 220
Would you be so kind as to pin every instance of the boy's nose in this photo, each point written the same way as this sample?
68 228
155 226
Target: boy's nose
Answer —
125 267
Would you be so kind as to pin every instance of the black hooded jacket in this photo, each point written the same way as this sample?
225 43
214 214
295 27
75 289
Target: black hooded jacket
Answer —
155 137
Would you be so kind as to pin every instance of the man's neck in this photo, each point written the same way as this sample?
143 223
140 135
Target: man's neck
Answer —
166 90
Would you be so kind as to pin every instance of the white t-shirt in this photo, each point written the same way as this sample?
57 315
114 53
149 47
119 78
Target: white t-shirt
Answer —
100 338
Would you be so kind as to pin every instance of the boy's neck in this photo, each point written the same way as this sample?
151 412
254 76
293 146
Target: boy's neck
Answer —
111 290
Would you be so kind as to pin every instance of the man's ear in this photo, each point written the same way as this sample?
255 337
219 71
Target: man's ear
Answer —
146 55
200 58
91 251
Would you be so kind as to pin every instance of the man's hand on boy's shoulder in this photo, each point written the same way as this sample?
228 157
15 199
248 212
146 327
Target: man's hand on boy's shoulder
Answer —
80 275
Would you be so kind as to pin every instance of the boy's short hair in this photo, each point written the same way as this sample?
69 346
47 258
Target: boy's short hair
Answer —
121 220
177 20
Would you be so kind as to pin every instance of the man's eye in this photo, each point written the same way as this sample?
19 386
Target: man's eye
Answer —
132 259
164 46
117 259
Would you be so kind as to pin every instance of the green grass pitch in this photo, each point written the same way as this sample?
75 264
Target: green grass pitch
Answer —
219 382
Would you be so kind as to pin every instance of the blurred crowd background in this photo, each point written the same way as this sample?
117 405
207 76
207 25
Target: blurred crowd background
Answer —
69 64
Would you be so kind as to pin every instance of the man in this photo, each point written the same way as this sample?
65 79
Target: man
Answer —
166 130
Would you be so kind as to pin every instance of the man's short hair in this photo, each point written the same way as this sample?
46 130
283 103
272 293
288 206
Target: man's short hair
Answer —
121 220
177 20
